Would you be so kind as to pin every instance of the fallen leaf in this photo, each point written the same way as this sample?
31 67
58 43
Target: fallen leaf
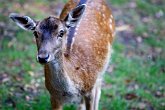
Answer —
141 106
139 39
130 96
159 14
158 94
4 78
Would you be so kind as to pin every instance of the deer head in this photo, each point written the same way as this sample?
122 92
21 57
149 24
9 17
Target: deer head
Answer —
49 33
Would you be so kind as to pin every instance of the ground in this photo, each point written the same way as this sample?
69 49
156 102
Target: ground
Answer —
135 77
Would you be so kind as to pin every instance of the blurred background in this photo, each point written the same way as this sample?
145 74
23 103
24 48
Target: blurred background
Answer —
135 79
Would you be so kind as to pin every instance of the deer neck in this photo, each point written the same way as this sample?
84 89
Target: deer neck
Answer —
56 77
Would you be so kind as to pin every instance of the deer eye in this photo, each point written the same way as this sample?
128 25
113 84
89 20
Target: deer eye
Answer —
61 33
35 34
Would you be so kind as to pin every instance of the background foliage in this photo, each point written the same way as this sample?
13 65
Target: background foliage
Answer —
136 75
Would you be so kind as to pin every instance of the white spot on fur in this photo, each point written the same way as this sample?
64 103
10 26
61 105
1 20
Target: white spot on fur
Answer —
110 20
111 16
94 32
86 19
98 8
76 28
86 40
75 34
95 23
110 26
113 34
103 15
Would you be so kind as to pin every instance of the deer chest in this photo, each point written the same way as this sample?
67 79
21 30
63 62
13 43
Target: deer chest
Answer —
60 86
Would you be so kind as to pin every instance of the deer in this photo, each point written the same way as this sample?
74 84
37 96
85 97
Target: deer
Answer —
74 50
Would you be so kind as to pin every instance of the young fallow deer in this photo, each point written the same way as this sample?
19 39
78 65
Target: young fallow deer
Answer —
75 50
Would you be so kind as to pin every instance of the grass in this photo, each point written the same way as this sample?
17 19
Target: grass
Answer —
134 81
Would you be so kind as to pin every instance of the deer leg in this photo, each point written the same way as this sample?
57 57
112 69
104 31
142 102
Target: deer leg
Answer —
92 100
55 104
97 98
82 105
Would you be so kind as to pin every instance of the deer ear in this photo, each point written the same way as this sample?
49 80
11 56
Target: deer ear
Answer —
24 22
74 16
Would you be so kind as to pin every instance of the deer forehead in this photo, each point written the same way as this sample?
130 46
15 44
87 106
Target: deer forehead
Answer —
50 25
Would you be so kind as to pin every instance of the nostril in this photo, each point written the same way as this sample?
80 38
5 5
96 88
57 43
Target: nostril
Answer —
43 58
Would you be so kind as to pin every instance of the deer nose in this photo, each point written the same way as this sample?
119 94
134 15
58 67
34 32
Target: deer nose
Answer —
43 58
